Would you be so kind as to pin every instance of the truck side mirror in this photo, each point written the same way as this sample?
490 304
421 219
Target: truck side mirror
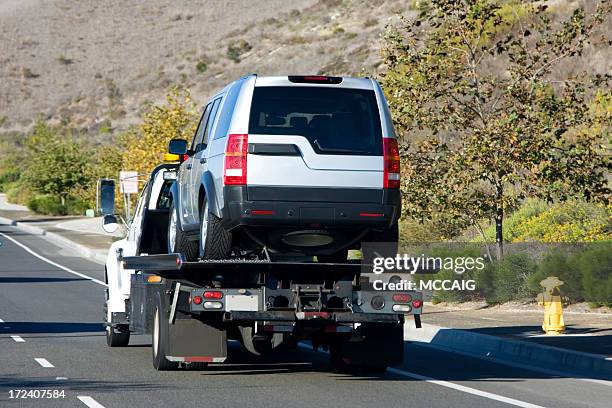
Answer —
177 146
109 223
106 196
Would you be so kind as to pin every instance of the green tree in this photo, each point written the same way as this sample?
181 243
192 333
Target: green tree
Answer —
57 164
472 83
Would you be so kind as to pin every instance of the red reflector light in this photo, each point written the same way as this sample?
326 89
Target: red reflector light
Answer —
392 163
235 172
263 212
365 214
416 303
185 157
213 295
402 298
197 300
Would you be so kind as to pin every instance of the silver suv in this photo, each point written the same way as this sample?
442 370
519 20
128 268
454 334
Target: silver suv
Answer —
303 165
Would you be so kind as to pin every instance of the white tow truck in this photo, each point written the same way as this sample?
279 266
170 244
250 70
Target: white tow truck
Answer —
192 309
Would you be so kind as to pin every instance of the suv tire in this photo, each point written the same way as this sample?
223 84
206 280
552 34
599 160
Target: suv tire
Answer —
215 241
177 240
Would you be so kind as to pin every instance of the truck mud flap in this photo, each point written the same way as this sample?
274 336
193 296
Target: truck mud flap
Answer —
383 344
192 340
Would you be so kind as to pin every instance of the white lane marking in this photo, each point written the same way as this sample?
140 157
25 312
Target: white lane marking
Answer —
90 402
47 260
463 388
61 378
44 362
18 339
448 384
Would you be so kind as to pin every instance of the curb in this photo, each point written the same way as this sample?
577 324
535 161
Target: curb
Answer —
83 250
515 352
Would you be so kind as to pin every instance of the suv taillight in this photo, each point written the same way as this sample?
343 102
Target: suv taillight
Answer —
235 172
392 163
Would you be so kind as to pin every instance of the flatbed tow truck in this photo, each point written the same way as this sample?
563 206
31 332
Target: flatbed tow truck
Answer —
192 309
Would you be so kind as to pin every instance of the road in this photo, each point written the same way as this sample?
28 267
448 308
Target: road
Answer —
51 338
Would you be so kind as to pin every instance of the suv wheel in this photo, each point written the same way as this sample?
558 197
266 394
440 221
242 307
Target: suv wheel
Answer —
215 241
177 240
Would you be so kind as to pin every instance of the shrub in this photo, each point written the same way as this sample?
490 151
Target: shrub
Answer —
7 178
46 204
508 279
201 67
235 49
570 221
596 267
565 266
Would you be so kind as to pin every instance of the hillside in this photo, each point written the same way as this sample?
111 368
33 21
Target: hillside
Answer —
94 64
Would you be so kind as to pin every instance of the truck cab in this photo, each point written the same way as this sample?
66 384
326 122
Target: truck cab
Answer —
146 234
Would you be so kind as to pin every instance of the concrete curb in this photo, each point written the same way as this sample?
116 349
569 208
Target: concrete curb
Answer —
84 251
515 352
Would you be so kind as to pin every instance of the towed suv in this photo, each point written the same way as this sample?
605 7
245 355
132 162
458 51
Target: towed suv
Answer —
305 165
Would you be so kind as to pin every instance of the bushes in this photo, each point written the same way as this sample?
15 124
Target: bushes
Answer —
596 267
585 269
570 221
50 205
46 204
508 279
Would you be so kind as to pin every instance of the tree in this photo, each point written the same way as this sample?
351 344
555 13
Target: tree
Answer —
472 84
142 148
57 163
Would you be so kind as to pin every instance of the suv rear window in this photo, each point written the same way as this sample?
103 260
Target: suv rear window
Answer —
335 120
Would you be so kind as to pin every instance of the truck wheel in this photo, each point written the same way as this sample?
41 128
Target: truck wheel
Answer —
160 337
215 241
117 336
177 240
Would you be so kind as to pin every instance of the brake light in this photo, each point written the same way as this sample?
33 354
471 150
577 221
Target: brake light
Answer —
213 295
318 79
392 163
417 303
197 300
235 172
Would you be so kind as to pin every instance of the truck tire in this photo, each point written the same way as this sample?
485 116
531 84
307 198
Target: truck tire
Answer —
160 338
177 239
215 241
117 336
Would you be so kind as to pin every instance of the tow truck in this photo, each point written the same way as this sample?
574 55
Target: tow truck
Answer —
192 309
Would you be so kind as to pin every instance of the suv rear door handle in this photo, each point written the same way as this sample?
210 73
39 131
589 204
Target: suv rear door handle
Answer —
203 160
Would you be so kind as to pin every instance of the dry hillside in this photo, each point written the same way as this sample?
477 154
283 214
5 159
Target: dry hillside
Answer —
95 63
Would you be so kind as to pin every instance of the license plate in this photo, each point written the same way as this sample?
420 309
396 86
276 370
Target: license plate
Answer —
243 303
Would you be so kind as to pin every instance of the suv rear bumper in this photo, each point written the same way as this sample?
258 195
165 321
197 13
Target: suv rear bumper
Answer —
303 211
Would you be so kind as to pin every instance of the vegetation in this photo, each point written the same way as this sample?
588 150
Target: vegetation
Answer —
236 49
484 139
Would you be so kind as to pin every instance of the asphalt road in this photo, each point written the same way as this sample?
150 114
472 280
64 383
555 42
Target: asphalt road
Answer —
51 339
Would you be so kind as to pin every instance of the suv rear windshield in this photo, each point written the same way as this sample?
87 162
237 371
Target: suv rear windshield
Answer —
335 120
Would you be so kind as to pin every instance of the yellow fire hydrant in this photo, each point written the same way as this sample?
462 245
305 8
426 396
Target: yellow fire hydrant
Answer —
550 298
